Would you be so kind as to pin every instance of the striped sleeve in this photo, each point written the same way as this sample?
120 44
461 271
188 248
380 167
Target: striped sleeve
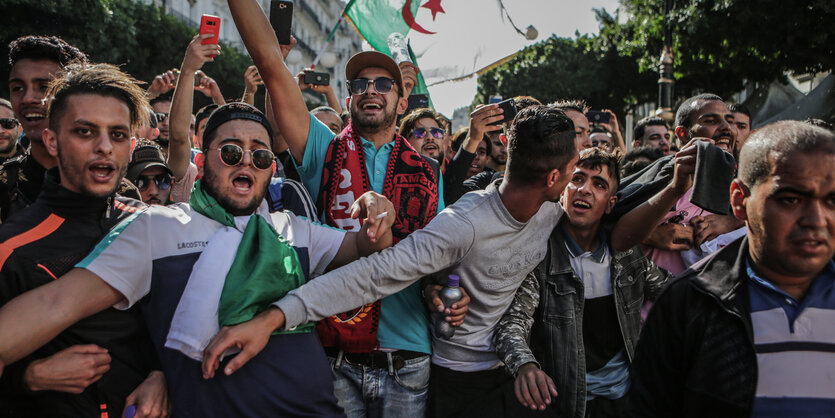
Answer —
123 258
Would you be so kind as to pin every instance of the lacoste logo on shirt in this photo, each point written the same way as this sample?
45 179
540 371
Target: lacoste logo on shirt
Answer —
192 244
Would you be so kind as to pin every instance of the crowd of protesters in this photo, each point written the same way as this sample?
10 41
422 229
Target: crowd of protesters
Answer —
156 260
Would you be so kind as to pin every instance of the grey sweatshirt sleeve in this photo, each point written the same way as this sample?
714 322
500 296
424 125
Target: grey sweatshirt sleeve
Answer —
514 329
441 244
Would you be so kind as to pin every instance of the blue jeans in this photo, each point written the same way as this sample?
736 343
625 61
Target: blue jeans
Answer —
363 391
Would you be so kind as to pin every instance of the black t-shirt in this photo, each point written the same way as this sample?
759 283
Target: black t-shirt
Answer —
51 236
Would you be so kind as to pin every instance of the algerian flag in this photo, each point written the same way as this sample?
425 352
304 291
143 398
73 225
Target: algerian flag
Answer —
451 39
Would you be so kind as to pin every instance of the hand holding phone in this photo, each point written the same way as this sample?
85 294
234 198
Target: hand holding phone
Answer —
597 116
281 19
319 79
508 110
210 24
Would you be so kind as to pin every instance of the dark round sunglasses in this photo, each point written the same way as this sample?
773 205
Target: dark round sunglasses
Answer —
9 123
232 155
161 117
382 85
438 133
162 181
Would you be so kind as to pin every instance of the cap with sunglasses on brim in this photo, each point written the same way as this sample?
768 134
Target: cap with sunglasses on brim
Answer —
145 155
368 59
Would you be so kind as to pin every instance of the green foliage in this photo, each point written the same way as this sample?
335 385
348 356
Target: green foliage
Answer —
717 45
139 37
560 68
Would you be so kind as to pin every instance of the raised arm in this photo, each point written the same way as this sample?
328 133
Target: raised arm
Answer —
289 108
26 326
635 226
179 148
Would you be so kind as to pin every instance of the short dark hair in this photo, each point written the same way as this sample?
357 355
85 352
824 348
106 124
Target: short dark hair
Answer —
577 105
325 109
776 140
540 139
162 98
641 126
461 134
50 48
595 158
407 125
632 160
204 113
98 79
525 101
689 107
458 137
739 108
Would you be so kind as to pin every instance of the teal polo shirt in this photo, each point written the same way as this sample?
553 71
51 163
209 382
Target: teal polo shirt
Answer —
404 324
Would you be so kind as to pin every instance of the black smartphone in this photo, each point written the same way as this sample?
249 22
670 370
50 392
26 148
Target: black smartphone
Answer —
415 101
320 79
281 18
509 108
597 116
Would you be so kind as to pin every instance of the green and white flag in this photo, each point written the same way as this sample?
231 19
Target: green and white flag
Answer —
451 39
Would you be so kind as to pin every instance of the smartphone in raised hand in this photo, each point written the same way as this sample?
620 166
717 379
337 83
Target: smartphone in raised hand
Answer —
281 19
210 24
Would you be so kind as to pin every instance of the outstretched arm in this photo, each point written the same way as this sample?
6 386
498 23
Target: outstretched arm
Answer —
179 151
635 226
287 101
25 325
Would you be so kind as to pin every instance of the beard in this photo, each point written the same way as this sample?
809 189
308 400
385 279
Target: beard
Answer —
211 181
9 148
369 124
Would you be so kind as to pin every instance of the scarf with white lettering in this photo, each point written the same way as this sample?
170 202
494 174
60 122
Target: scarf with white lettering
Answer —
412 187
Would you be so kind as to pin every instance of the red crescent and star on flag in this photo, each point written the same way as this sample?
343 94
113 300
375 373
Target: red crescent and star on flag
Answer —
432 5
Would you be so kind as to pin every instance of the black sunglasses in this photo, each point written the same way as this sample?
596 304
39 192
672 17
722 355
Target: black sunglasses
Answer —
382 85
161 117
438 133
162 181
232 155
9 123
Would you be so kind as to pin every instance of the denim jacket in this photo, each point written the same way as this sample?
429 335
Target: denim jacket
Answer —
544 322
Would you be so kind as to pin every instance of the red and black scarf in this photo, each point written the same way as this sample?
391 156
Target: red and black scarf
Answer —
411 185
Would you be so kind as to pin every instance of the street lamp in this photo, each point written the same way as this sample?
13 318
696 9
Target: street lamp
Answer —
665 69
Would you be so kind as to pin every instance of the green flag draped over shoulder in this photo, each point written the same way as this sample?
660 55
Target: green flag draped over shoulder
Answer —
265 267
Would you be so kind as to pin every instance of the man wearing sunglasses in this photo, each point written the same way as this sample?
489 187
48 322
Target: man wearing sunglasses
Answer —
367 155
222 259
423 129
147 170
9 132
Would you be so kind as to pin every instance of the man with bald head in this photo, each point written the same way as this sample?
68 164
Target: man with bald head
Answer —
745 332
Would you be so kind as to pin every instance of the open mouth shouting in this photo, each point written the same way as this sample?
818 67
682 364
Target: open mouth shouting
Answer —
371 105
102 171
723 140
242 183
581 206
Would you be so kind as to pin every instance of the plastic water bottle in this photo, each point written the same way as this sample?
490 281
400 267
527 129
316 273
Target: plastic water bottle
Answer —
449 295
397 47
